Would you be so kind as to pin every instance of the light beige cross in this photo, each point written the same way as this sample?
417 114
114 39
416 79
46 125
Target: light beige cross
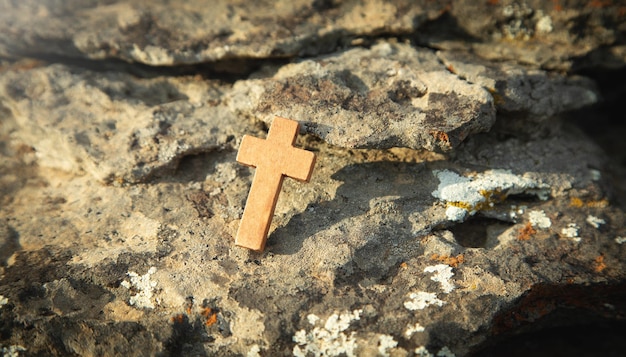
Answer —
274 158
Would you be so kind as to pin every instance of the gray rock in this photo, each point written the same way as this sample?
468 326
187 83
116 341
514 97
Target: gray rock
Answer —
534 32
554 35
113 125
523 91
8 242
121 128
391 95
363 257
168 33
388 250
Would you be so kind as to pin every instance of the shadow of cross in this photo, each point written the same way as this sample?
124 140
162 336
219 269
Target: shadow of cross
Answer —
274 158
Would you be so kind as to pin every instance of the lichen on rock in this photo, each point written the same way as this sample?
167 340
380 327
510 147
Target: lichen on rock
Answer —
469 179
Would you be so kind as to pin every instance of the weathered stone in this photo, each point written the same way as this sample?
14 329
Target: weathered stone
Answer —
555 35
168 33
113 125
363 258
522 91
391 252
391 95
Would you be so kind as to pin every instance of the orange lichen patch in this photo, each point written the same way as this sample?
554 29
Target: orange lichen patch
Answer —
451 68
449 260
491 197
526 232
211 317
497 98
493 2
576 202
598 4
599 264
598 204
464 205
211 320
557 5
189 305
440 136
178 319
404 265
579 203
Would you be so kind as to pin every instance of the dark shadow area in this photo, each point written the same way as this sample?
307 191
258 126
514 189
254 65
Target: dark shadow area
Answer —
187 337
562 320
444 28
604 123
474 232
227 70
362 183
9 243
604 338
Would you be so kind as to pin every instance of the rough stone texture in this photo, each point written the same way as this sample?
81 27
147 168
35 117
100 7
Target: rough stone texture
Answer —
556 35
120 194
559 35
113 125
523 91
360 236
388 96
173 32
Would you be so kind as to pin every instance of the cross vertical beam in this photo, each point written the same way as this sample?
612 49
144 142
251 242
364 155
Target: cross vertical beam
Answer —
274 158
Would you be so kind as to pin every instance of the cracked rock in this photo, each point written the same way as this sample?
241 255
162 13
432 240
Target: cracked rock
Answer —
389 250
113 125
391 95
170 33
558 35
518 90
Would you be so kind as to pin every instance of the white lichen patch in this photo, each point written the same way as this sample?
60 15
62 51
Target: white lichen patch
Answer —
254 351
515 211
144 286
421 351
464 196
313 319
442 275
620 240
385 343
539 219
421 300
445 352
3 301
413 329
327 340
571 231
596 175
594 221
12 351
544 24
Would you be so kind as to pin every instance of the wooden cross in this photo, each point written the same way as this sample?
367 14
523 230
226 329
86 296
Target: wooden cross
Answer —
274 159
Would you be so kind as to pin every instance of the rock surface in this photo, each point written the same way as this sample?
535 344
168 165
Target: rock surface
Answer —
120 194
170 32
391 95
521 90
559 35
115 126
